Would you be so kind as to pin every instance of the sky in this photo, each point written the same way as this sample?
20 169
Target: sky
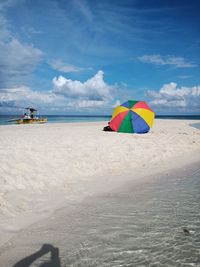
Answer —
85 57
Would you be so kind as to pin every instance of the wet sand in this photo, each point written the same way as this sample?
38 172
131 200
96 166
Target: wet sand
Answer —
139 224
47 167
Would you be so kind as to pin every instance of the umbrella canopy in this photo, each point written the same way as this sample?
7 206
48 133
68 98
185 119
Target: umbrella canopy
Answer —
132 117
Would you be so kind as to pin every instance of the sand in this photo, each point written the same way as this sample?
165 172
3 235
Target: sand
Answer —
44 167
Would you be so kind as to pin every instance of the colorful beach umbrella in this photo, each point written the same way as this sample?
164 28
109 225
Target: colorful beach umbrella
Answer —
132 117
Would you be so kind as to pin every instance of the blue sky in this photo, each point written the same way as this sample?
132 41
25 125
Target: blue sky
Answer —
86 56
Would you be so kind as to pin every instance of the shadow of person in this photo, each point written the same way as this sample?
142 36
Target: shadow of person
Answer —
46 248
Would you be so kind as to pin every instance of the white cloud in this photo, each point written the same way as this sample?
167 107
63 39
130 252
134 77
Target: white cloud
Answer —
177 62
23 96
64 67
117 103
30 31
4 33
14 100
16 58
184 77
89 103
94 89
171 96
67 95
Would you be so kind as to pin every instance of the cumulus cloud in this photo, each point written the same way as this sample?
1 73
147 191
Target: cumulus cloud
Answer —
171 96
23 96
64 67
14 100
94 89
66 95
177 62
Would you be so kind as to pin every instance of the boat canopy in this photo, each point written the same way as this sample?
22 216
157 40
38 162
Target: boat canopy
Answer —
31 109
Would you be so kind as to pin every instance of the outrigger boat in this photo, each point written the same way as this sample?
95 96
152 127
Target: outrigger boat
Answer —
30 116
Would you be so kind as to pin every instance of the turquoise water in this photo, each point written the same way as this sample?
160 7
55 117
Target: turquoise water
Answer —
139 225
195 125
4 119
143 225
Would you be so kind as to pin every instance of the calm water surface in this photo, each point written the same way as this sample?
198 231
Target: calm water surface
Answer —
141 225
9 119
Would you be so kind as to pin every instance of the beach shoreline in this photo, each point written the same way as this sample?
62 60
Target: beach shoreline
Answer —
63 228
45 167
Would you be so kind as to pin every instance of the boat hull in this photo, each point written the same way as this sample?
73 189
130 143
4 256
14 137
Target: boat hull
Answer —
27 121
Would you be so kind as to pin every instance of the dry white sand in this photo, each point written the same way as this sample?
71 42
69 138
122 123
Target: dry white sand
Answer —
45 166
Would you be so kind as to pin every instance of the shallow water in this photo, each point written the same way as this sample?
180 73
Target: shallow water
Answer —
141 225
195 125
9 119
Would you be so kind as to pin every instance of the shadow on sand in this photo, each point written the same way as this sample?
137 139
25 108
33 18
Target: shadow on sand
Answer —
46 248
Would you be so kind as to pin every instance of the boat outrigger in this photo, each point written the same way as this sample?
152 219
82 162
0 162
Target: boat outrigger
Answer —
30 116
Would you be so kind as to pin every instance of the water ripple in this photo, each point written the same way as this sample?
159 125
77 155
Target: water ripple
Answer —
145 228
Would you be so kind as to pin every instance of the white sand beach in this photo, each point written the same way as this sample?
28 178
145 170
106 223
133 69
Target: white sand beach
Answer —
45 166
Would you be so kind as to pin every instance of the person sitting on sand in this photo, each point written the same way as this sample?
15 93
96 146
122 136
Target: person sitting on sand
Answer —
108 128
25 116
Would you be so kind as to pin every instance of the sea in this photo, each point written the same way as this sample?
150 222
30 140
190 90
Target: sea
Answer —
155 223
10 119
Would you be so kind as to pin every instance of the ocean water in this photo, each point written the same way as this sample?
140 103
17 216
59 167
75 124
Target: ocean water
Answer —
139 225
195 125
6 119
143 225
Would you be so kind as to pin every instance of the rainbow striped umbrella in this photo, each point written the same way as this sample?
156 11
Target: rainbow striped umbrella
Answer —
132 117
